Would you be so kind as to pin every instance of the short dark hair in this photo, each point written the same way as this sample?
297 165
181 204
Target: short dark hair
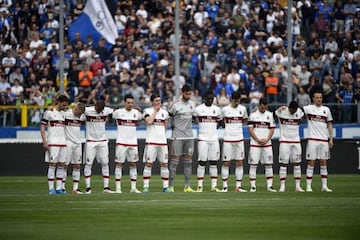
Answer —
236 95
263 101
128 96
153 96
209 92
62 98
293 104
186 88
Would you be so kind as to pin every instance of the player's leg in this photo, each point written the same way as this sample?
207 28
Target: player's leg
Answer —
213 156
120 155
296 160
51 171
311 155
176 151
162 156
75 160
227 155
102 155
267 160
253 160
239 155
89 156
188 151
324 156
59 154
202 158
133 158
284 156
148 158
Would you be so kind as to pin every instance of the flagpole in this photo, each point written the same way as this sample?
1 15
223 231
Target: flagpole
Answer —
177 54
61 43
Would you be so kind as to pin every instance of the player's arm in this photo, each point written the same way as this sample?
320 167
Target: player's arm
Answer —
330 128
43 136
149 119
253 134
166 124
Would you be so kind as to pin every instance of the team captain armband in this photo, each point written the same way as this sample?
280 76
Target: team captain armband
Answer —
146 115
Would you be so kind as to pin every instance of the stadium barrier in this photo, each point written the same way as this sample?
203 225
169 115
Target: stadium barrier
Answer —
26 158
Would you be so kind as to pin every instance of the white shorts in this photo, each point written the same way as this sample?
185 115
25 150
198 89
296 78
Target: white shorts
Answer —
55 155
153 152
317 150
233 151
208 150
73 153
129 153
289 152
263 155
98 150
182 147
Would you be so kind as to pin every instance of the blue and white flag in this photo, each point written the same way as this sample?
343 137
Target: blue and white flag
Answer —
96 20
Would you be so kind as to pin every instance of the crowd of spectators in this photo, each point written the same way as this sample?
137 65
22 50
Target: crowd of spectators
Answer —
229 45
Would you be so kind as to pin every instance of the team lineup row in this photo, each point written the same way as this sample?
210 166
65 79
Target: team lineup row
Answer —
61 135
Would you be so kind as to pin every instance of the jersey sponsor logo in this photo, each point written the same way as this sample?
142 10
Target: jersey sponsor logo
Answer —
316 118
233 120
128 122
96 118
208 119
56 123
73 122
261 124
159 122
287 121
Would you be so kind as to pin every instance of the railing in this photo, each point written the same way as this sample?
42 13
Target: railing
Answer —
19 115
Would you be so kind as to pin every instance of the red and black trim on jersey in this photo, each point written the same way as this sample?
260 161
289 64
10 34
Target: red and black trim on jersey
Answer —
287 121
129 122
73 122
234 119
316 118
208 119
96 118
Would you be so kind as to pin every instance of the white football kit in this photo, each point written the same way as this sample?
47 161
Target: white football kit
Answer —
318 133
290 146
233 146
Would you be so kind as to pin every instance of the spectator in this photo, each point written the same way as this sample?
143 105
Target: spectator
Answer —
271 87
346 98
302 98
223 84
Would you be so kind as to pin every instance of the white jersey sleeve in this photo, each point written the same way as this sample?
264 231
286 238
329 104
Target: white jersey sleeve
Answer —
289 124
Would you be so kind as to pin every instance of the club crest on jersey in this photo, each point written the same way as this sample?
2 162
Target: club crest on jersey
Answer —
213 111
267 118
240 112
134 115
162 115
324 112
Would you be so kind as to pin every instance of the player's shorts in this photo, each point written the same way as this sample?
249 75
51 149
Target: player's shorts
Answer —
208 150
98 151
55 154
289 152
153 152
317 150
129 153
264 155
73 153
233 151
182 147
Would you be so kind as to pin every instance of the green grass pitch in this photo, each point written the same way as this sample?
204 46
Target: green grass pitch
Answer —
28 212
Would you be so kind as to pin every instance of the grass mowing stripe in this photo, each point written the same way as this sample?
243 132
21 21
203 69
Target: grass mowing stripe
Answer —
28 212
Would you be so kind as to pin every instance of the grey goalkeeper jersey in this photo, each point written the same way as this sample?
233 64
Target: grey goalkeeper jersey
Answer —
181 117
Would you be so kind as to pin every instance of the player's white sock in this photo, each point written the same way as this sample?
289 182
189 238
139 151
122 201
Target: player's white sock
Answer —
76 178
87 175
59 176
164 172
106 175
187 171
213 175
173 166
323 174
269 176
200 175
225 175
297 176
51 176
239 173
282 175
118 175
147 176
133 176
252 175
309 175
64 178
